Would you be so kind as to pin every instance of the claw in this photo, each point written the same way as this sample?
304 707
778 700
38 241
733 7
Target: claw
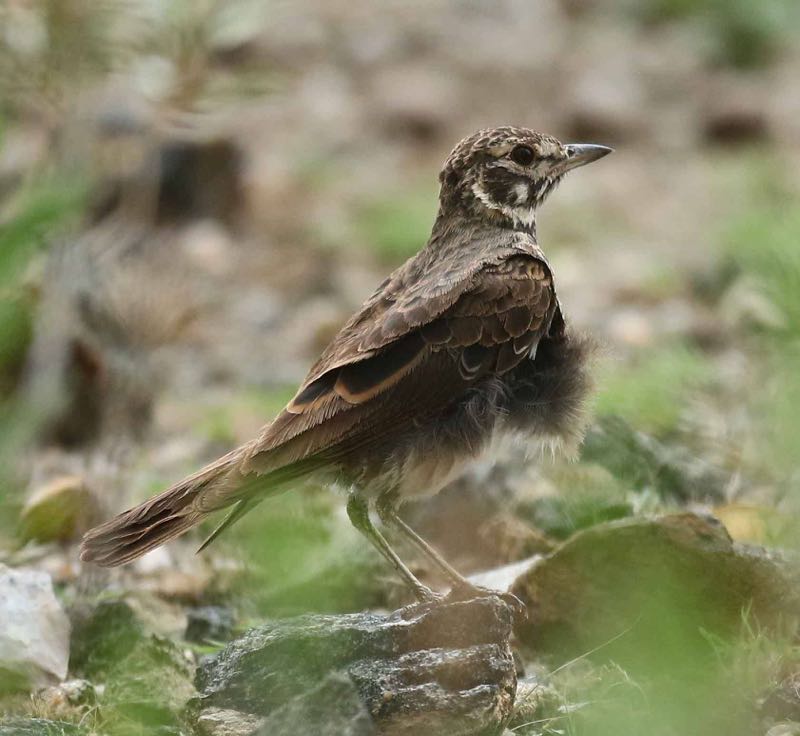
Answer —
425 595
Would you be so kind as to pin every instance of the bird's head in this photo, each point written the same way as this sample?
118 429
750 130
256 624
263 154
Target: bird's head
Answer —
506 173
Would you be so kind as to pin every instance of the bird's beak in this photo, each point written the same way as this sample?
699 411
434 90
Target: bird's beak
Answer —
580 154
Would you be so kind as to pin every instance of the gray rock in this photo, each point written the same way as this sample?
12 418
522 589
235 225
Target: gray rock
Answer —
67 701
226 722
333 708
443 668
784 729
34 636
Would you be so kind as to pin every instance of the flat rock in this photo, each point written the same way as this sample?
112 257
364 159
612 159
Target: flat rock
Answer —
653 589
429 668
333 708
58 511
226 722
34 636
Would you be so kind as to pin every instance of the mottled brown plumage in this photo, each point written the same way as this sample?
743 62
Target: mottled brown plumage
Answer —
463 341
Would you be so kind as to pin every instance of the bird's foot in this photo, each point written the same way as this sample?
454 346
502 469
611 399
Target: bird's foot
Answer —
466 591
425 595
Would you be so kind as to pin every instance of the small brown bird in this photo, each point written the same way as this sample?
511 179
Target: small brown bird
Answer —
463 342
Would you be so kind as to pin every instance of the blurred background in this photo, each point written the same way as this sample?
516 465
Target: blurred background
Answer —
194 196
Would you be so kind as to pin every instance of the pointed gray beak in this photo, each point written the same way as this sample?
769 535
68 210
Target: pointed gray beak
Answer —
580 154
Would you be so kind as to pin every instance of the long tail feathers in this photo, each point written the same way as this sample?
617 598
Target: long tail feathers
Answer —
142 528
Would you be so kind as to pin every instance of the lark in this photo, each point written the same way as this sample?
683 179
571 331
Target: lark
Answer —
463 343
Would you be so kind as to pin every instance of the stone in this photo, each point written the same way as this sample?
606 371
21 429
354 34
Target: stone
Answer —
781 701
34 637
653 588
502 578
431 668
226 722
784 729
59 511
67 700
333 708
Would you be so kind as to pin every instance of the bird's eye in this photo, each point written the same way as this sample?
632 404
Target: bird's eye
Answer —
522 155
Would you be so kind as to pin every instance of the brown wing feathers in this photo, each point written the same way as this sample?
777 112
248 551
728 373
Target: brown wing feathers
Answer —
487 321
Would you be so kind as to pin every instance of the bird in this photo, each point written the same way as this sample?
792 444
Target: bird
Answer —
463 343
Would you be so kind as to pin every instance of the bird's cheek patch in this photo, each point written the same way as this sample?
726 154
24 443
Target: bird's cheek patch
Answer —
500 186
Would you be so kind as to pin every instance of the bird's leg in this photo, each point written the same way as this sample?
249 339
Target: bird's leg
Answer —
358 512
387 511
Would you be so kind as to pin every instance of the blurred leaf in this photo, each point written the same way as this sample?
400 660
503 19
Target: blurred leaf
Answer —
43 208
764 244
651 393
740 33
398 227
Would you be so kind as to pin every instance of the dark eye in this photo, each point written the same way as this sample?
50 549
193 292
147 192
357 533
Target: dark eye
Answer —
522 155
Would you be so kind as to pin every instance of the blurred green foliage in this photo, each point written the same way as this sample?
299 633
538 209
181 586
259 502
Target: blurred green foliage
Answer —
301 555
397 227
763 248
219 423
42 208
652 390
741 33
764 245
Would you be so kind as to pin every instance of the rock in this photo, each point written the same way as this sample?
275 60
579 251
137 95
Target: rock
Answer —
34 636
58 511
502 578
781 702
418 668
784 729
38 727
209 623
223 722
655 589
68 700
334 708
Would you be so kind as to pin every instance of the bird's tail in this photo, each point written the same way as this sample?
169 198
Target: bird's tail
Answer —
154 522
